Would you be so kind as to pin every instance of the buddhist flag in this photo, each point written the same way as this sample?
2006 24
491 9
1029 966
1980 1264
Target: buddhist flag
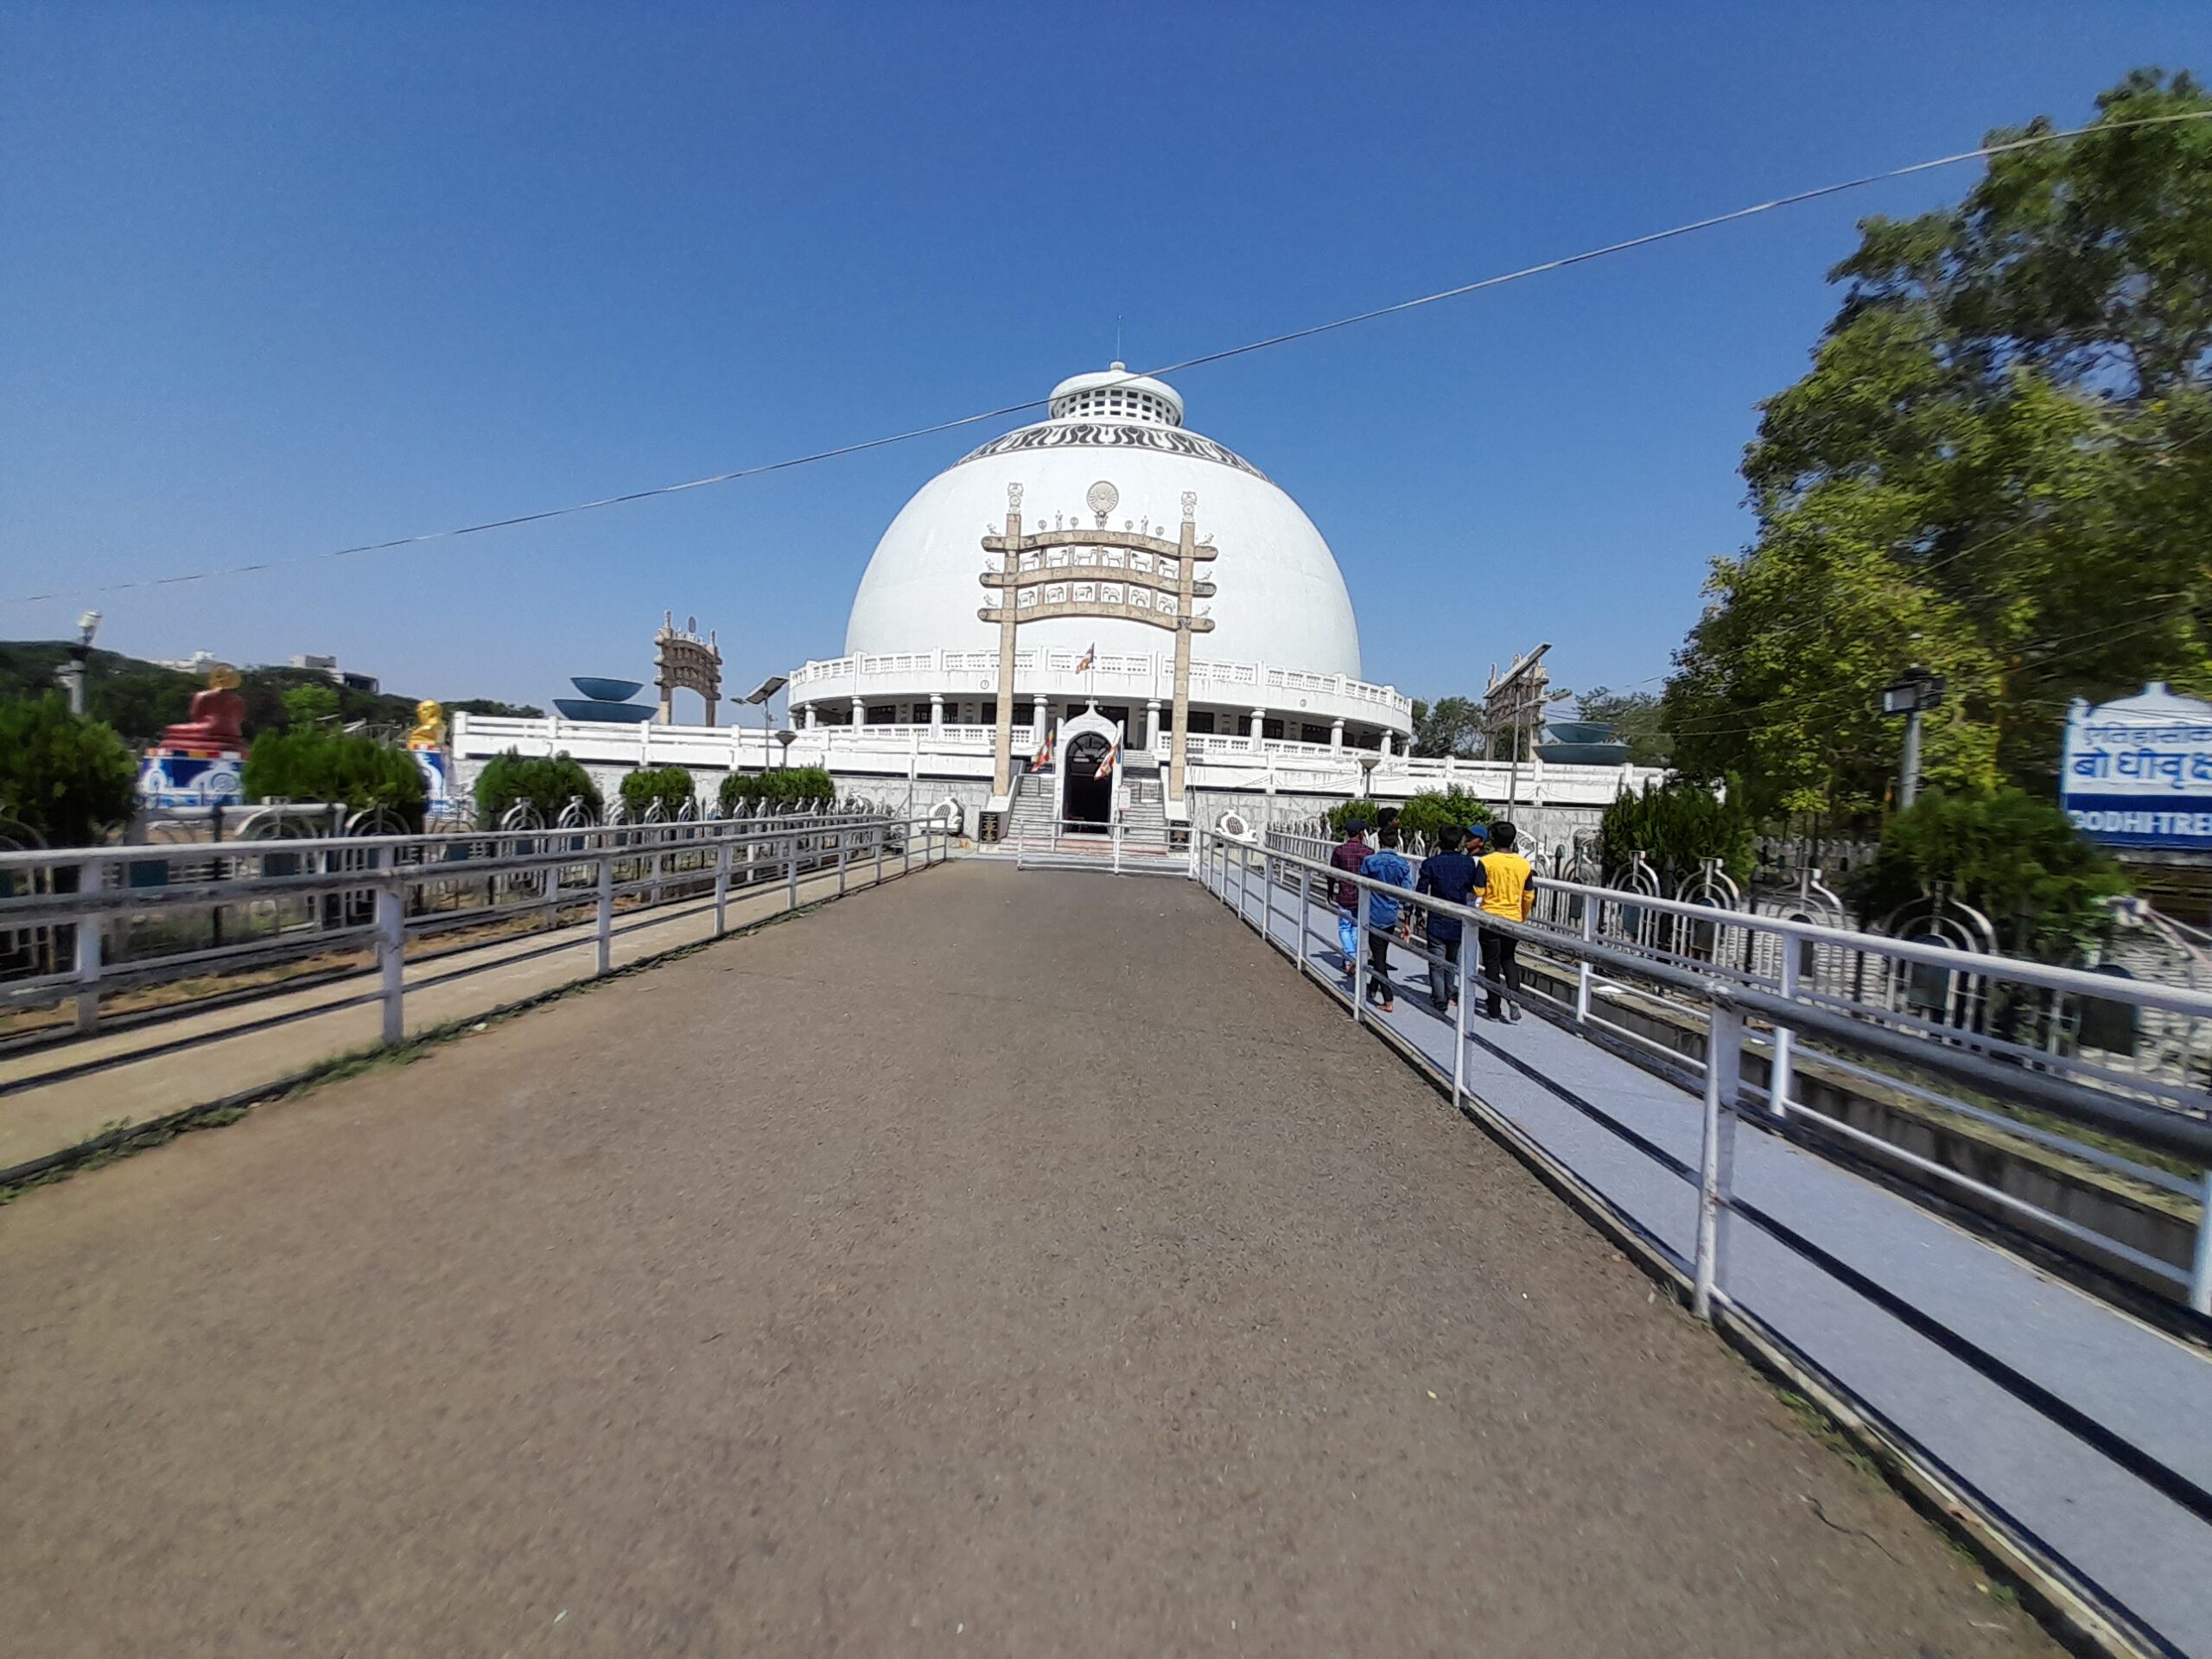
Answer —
1106 767
1089 658
1044 755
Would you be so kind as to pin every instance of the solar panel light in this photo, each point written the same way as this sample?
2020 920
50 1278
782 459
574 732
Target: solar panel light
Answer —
1917 690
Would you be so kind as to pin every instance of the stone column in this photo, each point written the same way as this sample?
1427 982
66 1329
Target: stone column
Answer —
1178 753
859 713
1002 737
809 717
1151 723
1337 735
1259 715
1038 715
1386 740
936 711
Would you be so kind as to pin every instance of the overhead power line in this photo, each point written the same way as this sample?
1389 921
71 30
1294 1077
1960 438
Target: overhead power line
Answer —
1545 268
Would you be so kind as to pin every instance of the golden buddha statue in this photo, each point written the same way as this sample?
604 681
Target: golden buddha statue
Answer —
216 717
430 732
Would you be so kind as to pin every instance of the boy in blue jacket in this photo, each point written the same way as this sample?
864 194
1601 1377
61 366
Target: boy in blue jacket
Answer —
1385 913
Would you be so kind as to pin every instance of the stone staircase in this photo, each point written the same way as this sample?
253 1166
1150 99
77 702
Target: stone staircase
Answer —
1030 818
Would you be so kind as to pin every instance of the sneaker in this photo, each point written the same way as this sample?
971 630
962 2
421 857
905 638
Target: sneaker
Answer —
1388 1007
1513 1015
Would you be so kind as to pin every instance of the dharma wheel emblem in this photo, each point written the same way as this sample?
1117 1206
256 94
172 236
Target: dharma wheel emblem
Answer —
1101 499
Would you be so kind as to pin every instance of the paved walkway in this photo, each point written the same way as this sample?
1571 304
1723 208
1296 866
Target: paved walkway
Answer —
54 1098
2150 1393
1011 1264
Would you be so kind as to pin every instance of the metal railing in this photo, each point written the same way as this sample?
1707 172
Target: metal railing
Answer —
2131 1037
102 914
1085 843
1798 1017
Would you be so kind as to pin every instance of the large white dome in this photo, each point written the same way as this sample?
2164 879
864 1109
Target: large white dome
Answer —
1282 599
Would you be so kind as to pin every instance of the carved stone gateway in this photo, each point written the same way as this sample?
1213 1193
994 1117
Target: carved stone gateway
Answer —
1129 576
682 661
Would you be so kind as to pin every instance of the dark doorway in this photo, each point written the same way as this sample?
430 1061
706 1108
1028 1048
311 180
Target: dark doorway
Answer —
1089 798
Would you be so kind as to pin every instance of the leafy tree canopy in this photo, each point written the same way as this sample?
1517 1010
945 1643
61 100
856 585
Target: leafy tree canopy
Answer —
66 778
548 783
1450 726
778 786
1678 826
310 704
1999 465
2015 858
669 787
311 763
1423 815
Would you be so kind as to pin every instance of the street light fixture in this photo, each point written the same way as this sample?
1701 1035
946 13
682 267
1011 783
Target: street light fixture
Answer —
759 698
72 672
786 737
1911 694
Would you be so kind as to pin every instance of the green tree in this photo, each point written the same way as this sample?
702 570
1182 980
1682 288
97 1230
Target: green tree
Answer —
1999 465
671 787
311 705
1678 826
548 783
1450 726
780 786
1422 815
68 777
2015 858
316 764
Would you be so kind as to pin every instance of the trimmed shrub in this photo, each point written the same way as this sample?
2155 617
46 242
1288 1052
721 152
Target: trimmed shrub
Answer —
547 782
1426 813
779 787
1677 825
315 764
669 787
2017 859
1423 815
68 777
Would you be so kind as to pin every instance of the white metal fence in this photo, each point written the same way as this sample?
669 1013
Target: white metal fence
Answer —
83 925
1885 1011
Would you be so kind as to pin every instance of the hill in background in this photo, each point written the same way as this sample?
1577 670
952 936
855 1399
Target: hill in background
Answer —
139 698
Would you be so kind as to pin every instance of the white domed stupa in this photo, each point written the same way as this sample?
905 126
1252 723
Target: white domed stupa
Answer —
1279 666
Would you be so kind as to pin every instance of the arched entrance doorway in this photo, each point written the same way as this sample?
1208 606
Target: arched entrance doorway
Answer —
1086 799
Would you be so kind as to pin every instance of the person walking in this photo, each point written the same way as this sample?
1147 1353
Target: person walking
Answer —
1449 874
1348 856
1385 913
1502 878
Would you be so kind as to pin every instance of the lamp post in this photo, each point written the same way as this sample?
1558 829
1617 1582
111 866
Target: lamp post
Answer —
1367 764
786 737
1911 694
72 672
759 698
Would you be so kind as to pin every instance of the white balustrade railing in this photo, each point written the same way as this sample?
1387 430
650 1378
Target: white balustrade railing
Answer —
1894 1014
83 923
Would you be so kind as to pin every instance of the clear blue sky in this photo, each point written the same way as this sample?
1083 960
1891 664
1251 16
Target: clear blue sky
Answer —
279 279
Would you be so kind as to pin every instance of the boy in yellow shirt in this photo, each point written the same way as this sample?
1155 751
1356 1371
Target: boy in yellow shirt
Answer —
1502 880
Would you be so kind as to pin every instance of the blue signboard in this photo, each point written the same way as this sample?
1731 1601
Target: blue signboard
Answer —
2138 772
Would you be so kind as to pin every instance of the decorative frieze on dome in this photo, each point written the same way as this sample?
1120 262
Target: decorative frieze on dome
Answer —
1069 434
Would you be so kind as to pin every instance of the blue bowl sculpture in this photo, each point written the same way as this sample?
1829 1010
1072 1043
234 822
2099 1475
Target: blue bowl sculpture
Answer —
607 690
627 714
1569 731
1583 755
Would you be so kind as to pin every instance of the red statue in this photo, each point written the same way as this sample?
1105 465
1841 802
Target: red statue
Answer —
215 716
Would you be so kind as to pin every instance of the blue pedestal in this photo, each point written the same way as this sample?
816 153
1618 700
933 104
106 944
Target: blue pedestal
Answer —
176 778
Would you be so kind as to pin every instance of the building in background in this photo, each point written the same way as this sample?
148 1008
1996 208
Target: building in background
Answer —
1282 720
